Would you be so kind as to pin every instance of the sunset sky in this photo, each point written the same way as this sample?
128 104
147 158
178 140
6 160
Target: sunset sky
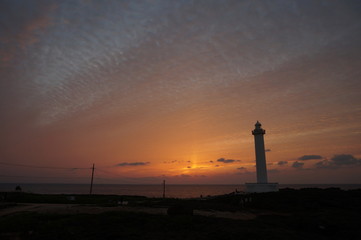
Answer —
159 89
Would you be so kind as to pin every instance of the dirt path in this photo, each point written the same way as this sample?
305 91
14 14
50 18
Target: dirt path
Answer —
34 207
89 209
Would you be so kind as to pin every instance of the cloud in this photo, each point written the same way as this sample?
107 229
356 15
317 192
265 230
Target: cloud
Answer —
309 157
338 161
21 24
184 175
242 168
124 164
267 150
326 164
298 165
227 160
345 159
172 161
281 163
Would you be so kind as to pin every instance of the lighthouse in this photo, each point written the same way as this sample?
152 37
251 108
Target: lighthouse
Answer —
261 167
262 184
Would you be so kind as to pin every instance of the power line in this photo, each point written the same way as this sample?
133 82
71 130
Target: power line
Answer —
18 176
107 172
46 167
59 168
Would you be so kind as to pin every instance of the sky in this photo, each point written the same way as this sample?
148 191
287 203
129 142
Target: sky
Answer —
158 89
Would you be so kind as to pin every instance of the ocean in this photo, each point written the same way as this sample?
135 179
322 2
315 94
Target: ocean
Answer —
174 191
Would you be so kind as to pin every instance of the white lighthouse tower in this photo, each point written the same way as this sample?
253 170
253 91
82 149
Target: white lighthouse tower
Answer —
262 184
261 167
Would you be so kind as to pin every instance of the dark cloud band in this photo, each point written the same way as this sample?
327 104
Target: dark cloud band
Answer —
227 160
124 164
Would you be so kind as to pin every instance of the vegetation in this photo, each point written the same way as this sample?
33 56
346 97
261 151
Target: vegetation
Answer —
288 214
111 200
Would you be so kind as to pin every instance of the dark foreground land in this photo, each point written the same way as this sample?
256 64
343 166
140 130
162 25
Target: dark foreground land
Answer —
288 214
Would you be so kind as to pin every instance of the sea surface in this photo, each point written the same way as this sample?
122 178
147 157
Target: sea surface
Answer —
175 191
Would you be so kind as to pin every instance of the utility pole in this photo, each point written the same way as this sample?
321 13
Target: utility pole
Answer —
91 182
163 188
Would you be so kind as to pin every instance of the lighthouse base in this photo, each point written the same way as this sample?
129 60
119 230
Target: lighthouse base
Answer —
261 187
